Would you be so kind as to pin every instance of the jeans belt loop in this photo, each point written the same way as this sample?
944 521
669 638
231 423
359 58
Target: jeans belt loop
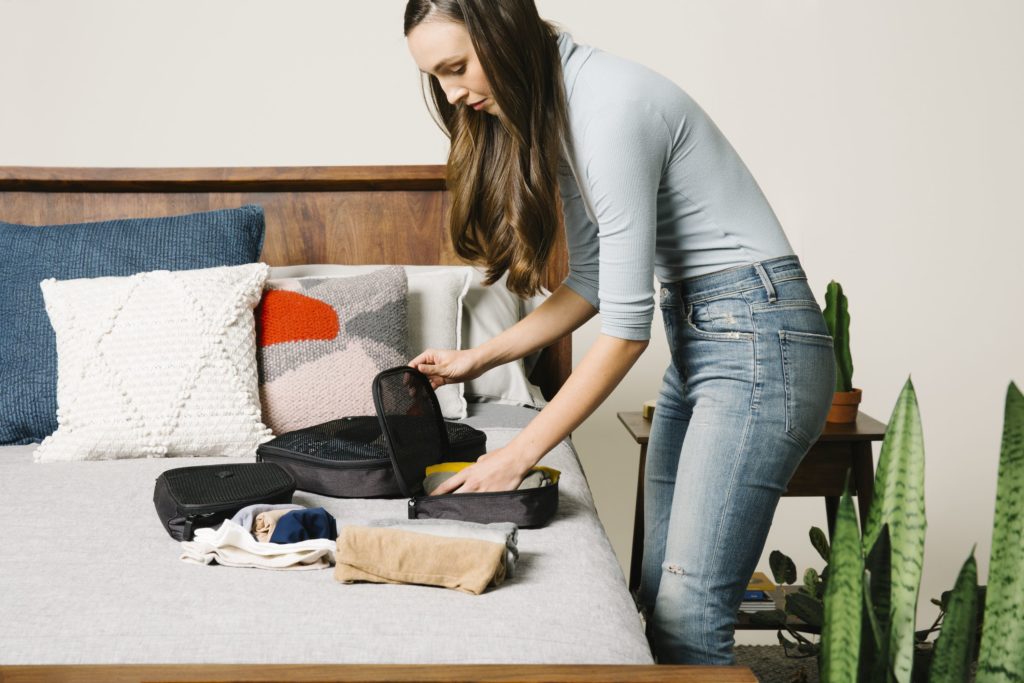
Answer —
767 282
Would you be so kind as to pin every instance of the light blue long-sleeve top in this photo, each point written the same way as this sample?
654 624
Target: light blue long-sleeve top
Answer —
652 187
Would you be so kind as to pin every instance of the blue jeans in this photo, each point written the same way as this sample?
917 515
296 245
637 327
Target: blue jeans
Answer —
746 394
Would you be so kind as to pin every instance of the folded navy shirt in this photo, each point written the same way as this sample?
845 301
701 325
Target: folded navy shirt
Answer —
302 525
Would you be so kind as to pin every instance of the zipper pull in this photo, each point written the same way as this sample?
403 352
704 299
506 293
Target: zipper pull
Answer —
412 508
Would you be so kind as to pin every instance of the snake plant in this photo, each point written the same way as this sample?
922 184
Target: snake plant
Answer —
1002 641
840 635
899 504
868 610
954 648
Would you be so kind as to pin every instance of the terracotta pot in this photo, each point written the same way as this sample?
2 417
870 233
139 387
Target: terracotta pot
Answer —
844 407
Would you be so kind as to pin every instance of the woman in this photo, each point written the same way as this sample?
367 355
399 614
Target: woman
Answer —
649 187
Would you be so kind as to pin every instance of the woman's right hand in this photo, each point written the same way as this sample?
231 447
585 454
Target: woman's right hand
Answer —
448 366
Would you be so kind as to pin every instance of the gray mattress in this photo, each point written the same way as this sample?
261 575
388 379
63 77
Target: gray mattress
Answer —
88 575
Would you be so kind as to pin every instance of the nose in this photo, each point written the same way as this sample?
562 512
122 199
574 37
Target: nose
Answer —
455 93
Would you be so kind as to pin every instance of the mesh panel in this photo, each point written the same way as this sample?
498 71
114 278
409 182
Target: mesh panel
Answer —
411 418
347 439
458 433
215 484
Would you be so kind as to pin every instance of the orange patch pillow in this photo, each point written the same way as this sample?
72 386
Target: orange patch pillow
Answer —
322 341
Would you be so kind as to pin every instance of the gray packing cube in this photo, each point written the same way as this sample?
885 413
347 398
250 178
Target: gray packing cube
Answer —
413 427
188 498
348 457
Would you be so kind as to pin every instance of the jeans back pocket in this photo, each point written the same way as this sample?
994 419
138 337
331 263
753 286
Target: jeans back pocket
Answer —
808 368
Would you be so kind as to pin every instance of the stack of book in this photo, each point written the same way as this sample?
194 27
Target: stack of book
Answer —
758 597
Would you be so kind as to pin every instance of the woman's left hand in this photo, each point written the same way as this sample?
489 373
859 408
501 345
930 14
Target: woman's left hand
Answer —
498 470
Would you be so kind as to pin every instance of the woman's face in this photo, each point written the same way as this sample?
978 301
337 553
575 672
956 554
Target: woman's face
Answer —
444 50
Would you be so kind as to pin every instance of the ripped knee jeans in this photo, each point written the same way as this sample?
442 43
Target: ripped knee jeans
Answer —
745 396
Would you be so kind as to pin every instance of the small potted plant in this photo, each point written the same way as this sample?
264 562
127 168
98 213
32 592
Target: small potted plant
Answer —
837 317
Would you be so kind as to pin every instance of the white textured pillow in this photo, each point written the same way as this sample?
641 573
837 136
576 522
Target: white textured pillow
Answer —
156 364
486 312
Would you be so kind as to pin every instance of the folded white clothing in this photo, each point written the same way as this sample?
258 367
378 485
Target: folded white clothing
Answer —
505 533
229 556
233 546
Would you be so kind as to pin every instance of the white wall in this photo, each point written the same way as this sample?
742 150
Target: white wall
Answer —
885 135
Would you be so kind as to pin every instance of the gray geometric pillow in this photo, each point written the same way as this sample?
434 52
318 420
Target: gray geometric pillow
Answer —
322 341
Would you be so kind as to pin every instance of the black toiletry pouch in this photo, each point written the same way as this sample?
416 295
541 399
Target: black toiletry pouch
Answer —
348 457
413 428
188 498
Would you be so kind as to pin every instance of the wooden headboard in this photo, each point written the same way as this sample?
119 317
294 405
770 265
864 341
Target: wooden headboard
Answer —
326 214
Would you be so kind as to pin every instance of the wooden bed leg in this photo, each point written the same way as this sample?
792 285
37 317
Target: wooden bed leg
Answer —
831 509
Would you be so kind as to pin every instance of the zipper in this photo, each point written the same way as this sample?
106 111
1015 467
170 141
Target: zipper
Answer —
413 502
223 506
320 462
220 508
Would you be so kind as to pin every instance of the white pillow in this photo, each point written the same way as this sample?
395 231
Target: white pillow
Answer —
434 310
486 312
491 311
156 364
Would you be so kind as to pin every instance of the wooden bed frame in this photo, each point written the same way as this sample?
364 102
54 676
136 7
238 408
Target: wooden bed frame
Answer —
352 215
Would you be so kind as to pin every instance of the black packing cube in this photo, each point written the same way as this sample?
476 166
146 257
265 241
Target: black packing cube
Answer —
414 430
188 498
348 457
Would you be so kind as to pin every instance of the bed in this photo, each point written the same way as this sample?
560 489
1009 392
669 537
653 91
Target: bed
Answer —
92 586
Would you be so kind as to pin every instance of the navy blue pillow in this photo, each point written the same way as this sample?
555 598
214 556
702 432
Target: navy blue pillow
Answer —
30 254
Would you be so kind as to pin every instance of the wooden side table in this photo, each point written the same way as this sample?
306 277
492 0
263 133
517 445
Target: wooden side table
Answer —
821 473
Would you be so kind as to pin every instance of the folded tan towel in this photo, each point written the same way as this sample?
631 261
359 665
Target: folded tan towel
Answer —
383 555
265 523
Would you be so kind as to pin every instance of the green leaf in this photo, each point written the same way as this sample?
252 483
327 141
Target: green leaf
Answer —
783 569
807 609
872 665
981 616
874 644
819 542
899 502
954 650
811 582
840 640
1002 640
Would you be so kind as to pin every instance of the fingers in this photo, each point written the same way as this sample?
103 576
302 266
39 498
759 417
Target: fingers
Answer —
431 371
450 485
427 363
427 368
425 357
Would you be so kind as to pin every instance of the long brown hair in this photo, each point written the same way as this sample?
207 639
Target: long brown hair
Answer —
502 171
